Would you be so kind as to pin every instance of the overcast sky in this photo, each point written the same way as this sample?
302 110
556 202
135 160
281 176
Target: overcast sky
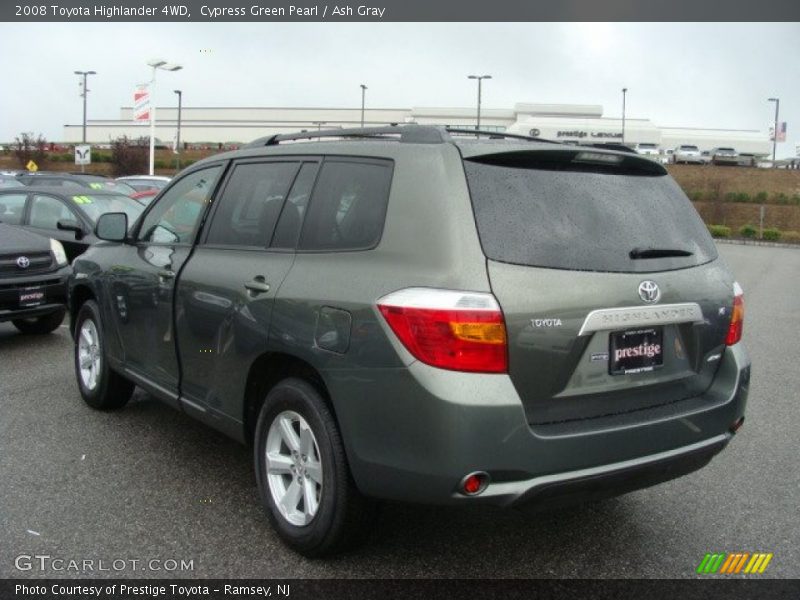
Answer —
697 75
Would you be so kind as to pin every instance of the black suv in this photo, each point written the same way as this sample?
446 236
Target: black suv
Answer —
33 280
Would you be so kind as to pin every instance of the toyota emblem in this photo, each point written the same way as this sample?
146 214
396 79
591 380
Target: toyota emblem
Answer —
649 291
23 262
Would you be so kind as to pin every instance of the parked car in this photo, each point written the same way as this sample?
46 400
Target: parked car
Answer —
33 280
401 314
65 214
687 153
142 183
8 181
747 159
76 180
724 156
647 149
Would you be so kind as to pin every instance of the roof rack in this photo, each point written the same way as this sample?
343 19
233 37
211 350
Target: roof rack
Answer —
498 135
409 134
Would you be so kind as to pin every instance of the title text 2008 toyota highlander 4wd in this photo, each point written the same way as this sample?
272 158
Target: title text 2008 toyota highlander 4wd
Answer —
401 313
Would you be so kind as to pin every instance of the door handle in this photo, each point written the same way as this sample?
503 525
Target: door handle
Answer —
166 274
257 285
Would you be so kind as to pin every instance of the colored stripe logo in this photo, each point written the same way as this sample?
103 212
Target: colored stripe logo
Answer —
735 562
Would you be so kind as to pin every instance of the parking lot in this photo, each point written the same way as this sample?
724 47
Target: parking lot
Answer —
149 483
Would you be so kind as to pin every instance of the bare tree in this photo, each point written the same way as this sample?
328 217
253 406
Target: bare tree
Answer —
27 148
129 156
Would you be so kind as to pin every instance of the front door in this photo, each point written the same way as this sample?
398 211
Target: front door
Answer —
226 291
142 291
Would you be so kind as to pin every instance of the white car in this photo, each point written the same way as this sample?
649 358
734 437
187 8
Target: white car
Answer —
687 153
648 149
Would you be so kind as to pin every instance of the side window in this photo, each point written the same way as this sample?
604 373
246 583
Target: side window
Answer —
174 218
11 208
251 203
46 211
348 207
288 229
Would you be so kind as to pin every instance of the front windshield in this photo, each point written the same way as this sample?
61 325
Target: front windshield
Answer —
94 206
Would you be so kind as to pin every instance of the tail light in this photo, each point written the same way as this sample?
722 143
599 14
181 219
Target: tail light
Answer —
737 317
460 331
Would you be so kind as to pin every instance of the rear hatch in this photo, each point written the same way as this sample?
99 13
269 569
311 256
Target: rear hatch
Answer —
613 295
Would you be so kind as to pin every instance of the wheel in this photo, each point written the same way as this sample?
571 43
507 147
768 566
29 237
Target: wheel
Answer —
302 473
40 325
101 387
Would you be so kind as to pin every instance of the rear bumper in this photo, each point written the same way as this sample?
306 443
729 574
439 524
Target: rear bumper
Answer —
604 481
412 434
54 285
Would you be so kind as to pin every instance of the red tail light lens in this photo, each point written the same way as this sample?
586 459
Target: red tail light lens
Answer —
737 317
460 331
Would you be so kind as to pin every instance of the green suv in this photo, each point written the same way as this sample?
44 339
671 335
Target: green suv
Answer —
410 313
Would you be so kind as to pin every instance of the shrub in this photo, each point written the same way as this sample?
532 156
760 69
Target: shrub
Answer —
719 231
747 231
772 234
780 198
761 197
26 148
791 236
695 196
128 156
737 197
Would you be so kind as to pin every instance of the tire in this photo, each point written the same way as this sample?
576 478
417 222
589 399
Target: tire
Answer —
40 325
342 516
100 386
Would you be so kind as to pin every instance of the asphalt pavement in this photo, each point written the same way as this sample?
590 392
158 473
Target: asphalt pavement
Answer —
148 483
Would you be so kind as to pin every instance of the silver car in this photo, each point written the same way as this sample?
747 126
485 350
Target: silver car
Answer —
687 153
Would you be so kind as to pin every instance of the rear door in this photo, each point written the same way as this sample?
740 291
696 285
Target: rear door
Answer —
612 292
226 292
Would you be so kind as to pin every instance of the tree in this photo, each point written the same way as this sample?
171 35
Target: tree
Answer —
26 148
129 156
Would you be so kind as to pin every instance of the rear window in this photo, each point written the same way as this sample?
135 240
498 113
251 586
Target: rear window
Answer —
562 215
688 147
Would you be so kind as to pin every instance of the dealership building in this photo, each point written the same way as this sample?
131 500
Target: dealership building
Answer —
563 122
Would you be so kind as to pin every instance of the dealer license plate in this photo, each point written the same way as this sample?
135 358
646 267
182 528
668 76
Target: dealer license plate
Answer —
636 350
31 296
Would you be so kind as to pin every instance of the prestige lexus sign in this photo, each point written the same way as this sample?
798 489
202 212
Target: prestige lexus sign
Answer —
580 134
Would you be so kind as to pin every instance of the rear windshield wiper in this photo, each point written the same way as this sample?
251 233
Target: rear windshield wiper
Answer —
657 252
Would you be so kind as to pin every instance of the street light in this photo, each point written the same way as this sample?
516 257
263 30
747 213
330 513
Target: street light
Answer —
164 66
624 91
319 124
480 78
363 92
83 95
775 131
178 137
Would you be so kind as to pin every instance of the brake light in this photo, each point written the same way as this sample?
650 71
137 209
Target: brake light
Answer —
460 331
737 317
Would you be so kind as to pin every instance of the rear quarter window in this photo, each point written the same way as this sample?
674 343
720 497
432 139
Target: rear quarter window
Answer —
566 216
348 206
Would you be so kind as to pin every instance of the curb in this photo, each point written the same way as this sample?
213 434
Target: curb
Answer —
756 243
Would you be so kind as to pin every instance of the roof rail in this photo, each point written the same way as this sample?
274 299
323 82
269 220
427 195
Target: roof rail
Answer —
409 134
498 135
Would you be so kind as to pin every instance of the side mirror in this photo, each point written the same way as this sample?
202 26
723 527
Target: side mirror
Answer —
112 227
70 225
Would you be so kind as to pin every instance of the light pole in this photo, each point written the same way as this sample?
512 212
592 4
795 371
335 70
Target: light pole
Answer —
775 130
163 65
624 91
83 95
178 137
363 94
319 124
480 79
